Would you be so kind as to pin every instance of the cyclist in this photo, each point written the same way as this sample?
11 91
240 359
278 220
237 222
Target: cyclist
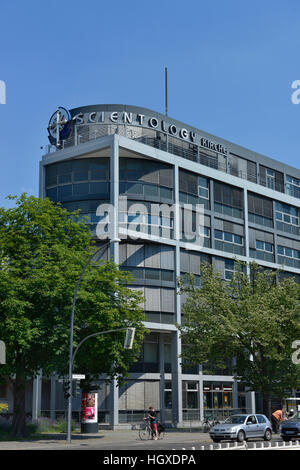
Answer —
153 421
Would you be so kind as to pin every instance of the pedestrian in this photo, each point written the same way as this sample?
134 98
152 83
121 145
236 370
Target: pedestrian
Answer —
276 418
153 421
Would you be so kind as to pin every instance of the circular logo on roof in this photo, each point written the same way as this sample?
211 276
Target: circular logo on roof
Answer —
59 127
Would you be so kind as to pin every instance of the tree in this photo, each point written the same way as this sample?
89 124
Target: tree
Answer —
254 318
43 249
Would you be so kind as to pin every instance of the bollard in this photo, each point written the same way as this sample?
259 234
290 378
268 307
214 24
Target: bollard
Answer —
254 445
227 445
210 447
276 444
202 447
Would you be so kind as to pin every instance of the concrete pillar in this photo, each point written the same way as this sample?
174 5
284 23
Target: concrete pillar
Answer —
53 398
250 402
114 404
176 380
114 253
176 340
201 400
235 395
37 396
162 377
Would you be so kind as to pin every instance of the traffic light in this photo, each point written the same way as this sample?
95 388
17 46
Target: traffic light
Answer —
66 389
130 332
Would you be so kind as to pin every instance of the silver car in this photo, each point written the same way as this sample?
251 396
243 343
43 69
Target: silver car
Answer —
242 427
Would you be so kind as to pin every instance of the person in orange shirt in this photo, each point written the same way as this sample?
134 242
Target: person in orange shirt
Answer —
276 418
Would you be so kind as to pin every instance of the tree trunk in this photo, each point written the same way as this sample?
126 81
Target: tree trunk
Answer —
266 405
18 423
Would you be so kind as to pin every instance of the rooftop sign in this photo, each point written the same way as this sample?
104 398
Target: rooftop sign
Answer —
152 122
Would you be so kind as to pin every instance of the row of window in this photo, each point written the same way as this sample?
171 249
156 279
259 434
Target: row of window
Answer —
236 165
150 274
71 180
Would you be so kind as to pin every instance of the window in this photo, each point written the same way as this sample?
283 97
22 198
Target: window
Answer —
287 214
261 419
229 269
228 237
203 187
263 251
264 246
270 176
288 252
228 200
229 242
293 186
251 420
260 210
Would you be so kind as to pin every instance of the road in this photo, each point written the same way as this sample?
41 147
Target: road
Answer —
122 440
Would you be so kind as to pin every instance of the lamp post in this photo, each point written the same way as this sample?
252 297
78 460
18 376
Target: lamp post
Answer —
130 332
71 358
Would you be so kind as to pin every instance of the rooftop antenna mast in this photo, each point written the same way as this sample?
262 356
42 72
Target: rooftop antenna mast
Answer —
166 90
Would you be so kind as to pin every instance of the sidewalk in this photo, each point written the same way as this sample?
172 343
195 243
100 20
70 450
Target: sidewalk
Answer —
106 439
129 440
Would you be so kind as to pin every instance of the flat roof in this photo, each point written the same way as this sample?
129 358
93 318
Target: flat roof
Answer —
148 113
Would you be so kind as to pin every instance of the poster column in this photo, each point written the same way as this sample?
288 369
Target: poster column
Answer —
89 412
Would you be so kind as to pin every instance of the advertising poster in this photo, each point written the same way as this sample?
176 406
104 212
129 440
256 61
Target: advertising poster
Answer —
89 408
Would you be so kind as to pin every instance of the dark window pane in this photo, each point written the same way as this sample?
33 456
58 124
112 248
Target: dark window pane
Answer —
150 190
81 189
64 167
51 175
52 194
81 175
101 188
66 178
134 188
64 191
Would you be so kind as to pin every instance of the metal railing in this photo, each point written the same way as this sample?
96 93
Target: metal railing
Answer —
88 132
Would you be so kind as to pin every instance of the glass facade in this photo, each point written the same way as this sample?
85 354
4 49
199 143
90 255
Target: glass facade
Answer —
268 233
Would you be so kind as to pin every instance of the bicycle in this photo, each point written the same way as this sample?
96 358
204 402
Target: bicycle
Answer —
209 424
146 433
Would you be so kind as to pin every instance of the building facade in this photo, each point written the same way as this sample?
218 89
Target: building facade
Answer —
156 172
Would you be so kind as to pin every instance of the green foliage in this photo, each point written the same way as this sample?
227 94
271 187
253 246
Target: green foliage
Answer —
254 319
43 249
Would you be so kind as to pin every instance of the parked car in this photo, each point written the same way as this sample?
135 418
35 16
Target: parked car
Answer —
242 427
290 429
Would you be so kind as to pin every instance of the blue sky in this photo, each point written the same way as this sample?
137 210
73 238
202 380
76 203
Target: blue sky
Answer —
230 67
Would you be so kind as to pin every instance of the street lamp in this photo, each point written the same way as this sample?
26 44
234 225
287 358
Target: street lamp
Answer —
71 358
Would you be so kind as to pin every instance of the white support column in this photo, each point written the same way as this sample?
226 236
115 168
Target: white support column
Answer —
176 380
235 395
176 340
114 404
53 398
114 199
162 377
36 396
250 402
201 400
114 253
250 396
